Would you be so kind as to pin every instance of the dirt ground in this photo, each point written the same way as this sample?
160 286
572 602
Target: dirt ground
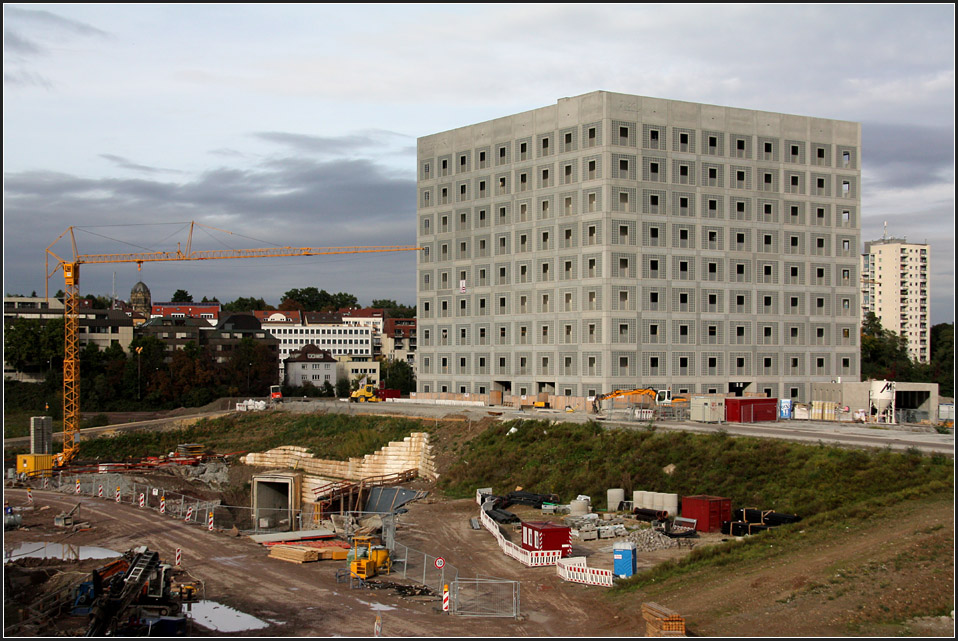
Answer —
869 582
837 590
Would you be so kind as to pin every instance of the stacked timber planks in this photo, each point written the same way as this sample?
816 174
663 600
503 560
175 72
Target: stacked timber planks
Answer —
294 554
662 622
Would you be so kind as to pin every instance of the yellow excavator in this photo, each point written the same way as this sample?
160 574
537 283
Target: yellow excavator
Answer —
644 396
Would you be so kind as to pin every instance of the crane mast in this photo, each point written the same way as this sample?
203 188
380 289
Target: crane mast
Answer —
71 307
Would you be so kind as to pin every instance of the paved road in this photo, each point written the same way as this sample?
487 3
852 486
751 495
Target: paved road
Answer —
922 438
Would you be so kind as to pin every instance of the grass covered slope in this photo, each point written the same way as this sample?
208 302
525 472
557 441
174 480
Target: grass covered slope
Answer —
570 459
328 436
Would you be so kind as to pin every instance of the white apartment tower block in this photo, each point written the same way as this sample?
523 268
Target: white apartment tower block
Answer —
895 289
613 241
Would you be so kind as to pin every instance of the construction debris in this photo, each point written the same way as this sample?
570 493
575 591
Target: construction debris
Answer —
662 622
652 540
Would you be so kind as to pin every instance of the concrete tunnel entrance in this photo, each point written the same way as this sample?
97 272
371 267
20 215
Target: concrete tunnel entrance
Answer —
276 500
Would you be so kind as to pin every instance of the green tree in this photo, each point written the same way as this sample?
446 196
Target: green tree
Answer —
399 375
99 302
310 299
21 343
243 304
884 354
343 388
394 309
941 368
181 296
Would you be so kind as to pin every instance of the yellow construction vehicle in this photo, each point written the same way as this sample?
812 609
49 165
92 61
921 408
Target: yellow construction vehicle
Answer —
365 394
645 397
368 560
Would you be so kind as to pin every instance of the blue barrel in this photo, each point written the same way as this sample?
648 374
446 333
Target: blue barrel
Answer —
623 559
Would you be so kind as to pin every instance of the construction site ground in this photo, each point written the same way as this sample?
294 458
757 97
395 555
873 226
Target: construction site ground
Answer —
836 590
864 582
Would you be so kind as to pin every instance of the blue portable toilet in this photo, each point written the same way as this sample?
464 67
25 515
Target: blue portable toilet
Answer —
785 408
623 559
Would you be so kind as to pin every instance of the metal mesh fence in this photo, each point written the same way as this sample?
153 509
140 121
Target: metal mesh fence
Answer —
422 568
484 597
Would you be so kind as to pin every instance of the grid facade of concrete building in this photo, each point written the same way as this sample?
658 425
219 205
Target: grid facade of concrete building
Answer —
895 289
613 241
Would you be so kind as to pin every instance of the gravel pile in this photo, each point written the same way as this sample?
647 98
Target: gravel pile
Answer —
651 540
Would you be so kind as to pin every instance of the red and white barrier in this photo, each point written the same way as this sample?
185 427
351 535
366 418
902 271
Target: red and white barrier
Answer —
525 557
78 486
569 569
29 496
162 505
209 525
575 569
189 513
142 500
99 491
445 598
179 556
117 493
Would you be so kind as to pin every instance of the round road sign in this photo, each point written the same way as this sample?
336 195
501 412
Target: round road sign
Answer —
440 562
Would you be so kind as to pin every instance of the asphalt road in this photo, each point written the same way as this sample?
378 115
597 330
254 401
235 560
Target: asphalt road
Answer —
896 437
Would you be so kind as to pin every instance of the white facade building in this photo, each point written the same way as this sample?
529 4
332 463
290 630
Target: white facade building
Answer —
613 241
895 289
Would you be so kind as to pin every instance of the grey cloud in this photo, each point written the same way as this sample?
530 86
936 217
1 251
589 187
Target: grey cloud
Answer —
326 144
285 202
22 78
14 43
907 155
124 163
32 18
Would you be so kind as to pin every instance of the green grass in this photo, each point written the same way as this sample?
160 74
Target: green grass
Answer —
810 533
328 436
570 459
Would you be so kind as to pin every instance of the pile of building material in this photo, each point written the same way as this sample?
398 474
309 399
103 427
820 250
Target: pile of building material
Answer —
588 528
651 540
662 622
294 554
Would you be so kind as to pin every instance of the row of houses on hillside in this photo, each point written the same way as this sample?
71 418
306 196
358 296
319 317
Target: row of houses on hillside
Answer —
314 347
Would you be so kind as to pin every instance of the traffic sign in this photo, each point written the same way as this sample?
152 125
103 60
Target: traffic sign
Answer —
440 563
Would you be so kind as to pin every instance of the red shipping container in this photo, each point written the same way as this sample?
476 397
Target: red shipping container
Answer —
750 410
708 511
540 536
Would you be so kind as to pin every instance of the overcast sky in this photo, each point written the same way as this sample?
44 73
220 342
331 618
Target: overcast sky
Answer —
297 124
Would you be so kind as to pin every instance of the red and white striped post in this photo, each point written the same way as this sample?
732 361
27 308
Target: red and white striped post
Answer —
179 556
46 482
210 522
117 493
99 491
142 499
29 496
445 598
162 505
189 513
78 485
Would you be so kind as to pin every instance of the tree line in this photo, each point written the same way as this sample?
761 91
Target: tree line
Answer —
306 299
884 355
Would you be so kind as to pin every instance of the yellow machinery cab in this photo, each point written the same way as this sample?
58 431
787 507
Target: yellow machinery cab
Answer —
367 559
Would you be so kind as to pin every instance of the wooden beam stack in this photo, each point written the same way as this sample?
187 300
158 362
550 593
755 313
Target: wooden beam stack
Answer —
662 622
294 554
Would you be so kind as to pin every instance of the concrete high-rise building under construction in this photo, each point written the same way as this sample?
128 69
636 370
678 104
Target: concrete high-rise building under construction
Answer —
613 241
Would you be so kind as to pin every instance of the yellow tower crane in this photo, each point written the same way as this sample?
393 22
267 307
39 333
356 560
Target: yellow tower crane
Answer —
71 315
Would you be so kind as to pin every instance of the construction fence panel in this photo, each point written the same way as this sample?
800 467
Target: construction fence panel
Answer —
422 568
481 597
